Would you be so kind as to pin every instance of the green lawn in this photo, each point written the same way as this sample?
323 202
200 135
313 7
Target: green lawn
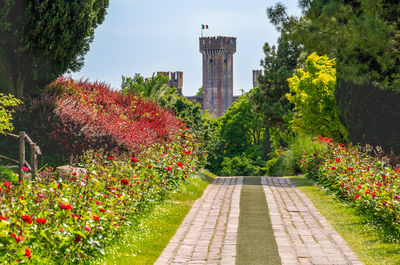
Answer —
144 243
373 244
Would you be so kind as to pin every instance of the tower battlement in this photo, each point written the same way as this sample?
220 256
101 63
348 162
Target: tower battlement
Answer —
217 44
175 80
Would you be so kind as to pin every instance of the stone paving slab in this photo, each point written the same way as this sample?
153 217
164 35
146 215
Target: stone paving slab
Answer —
302 234
209 231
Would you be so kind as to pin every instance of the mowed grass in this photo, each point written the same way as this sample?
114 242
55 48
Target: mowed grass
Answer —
374 244
144 243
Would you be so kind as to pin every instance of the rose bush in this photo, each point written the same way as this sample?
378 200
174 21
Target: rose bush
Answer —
71 220
368 182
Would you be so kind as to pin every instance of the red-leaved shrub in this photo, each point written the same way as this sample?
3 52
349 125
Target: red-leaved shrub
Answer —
71 116
94 116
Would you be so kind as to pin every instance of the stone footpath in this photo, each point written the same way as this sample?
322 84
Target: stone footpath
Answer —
208 234
209 231
302 234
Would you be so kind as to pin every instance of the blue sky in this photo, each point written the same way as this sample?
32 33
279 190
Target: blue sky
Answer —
140 36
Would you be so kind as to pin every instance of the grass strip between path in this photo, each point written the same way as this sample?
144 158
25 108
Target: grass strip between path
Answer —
372 244
255 242
144 243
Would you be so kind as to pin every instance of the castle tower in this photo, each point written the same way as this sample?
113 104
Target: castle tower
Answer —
256 74
175 80
217 73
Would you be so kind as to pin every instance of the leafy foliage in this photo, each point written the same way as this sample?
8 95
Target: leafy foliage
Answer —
241 128
40 40
5 113
71 220
153 88
74 116
362 35
313 94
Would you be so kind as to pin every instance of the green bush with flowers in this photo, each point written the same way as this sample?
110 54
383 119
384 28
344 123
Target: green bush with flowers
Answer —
369 182
71 220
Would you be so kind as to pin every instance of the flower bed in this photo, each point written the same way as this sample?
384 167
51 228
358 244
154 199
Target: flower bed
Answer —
366 181
71 220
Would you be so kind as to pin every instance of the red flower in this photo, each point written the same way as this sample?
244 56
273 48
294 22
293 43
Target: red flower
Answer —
149 166
22 197
28 253
102 210
169 169
97 218
78 239
179 164
357 196
17 238
124 181
133 159
65 207
338 160
41 220
333 168
74 174
27 219
350 168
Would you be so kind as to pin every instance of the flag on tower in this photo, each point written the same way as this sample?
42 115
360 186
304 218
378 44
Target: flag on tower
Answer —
204 26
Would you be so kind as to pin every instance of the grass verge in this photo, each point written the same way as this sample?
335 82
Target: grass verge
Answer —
144 243
256 242
374 244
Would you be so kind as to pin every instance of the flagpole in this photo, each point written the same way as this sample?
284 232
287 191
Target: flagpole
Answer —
202 31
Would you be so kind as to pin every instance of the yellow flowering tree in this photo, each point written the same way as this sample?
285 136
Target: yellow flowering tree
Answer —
313 94
6 102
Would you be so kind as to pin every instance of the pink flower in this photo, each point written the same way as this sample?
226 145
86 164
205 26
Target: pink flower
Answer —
40 195
61 230
396 196
98 203
24 169
163 182
87 228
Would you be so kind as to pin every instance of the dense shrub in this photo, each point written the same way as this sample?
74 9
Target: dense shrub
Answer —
240 166
72 116
286 160
371 115
71 220
369 183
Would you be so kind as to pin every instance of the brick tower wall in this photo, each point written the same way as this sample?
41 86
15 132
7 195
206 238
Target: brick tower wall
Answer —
256 74
217 73
175 80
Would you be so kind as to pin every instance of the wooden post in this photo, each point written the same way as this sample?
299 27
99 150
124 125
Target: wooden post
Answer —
21 154
33 159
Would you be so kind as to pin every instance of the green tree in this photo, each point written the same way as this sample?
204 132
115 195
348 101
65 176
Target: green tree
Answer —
199 92
155 88
40 40
269 97
313 95
241 128
363 36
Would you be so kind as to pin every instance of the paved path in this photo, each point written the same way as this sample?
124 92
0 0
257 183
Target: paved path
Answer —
302 234
209 232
